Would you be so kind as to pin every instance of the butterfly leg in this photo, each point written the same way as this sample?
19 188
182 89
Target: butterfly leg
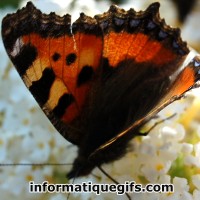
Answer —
112 179
155 124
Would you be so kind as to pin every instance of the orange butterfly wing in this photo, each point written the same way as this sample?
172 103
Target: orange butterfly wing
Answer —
100 79
155 52
56 60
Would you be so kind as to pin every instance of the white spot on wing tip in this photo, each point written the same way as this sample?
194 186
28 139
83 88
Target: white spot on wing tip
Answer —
16 47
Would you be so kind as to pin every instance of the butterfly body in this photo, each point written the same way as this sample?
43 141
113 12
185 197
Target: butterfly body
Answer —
99 80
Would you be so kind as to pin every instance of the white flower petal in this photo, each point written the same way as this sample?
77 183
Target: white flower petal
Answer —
196 181
186 148
196 195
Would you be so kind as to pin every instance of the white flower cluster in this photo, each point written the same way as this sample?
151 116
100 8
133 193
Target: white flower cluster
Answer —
167 155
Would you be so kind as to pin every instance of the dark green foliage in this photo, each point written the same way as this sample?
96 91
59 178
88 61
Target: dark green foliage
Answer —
12 3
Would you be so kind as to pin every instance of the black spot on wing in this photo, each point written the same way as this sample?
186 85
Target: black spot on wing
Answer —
41 88
85 75
70 58
56 56
63 103
25 58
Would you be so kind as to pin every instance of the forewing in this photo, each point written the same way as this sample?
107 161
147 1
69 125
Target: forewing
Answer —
56 60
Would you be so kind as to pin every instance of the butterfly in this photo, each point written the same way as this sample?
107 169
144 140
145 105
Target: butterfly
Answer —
100 79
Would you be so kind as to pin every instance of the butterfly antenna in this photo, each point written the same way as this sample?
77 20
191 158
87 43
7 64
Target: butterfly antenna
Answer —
33 164
156 124
112 179
73 180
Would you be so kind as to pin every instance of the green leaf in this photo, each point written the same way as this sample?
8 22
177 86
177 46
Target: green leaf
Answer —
11 3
